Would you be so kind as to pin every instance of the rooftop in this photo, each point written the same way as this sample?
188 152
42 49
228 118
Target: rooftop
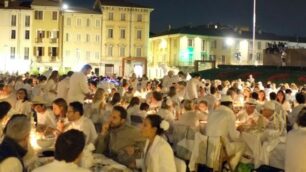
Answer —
16 5
227 31
121 3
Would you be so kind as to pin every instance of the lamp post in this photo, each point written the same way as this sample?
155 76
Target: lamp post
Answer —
254 32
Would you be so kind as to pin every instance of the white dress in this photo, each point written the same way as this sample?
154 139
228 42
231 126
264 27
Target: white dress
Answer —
23 107
158 158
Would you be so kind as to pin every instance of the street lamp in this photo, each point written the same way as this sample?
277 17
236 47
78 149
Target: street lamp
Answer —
254 31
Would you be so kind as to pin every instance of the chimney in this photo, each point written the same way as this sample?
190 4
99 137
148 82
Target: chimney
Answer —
6 3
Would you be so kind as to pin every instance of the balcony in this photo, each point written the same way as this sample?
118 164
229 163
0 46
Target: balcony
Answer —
53 40
38 40
53 59
39 59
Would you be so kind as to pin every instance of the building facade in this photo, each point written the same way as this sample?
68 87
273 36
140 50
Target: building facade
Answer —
183 46
112 36
15 34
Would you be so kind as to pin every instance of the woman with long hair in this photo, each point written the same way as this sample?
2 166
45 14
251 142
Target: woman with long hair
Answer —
281 98
23 105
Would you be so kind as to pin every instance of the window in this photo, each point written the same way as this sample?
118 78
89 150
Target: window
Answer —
139 34
40 35
38 15
139 18
54 34
13 34
97 55
40 51
27 21
79 22
122 51
213 44
67 53
54 15
13 52
27 34
68 21
258 57
87 55
98 23
97 38
223 59
53 52
203 45
87 38
111 16
110 51
259 45
110 33
13 20
78 53
67 37
138 52
88 22
190 42
122 33
250 57
123 17
26 53
79 37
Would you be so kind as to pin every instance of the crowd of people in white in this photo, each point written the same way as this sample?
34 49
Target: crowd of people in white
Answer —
137 121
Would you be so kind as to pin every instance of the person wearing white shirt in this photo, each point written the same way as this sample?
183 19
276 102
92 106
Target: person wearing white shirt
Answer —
38 89
192 87
45 116
23 106
51 87
15 144
68 150
80 122
248 117
78 85
221 122
158 155
169 79
295 156
63 86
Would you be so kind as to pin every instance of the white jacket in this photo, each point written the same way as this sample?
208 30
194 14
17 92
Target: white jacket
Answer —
78 87
192 88
159 157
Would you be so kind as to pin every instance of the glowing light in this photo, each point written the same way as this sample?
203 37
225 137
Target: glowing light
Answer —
65 6
163 44
229 41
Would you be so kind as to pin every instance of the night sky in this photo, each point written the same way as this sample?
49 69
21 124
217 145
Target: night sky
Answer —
285 17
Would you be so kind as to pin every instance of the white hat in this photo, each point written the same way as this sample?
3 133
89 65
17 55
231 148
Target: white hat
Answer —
251 101
226 98
39 100
269 105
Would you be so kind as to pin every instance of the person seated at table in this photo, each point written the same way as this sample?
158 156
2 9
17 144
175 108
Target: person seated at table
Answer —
45 116
68 149
300 99
155 102
221 122
167 110
117 137
79 122
295 156
202 108
190 117
158 155
15 144
59 107
248 116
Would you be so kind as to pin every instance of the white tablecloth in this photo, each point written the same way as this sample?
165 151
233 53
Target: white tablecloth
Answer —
104 164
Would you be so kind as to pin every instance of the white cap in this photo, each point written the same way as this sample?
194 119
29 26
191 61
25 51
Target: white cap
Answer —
226 98
251 101
269 105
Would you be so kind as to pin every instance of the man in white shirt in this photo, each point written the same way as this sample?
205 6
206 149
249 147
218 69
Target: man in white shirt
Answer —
295 146
248 117
45 116
170 79
78 85
300 99
15 144
192 87
80 122
63 86
68 149
221 122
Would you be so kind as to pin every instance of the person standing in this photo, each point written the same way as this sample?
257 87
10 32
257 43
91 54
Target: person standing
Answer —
78 85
